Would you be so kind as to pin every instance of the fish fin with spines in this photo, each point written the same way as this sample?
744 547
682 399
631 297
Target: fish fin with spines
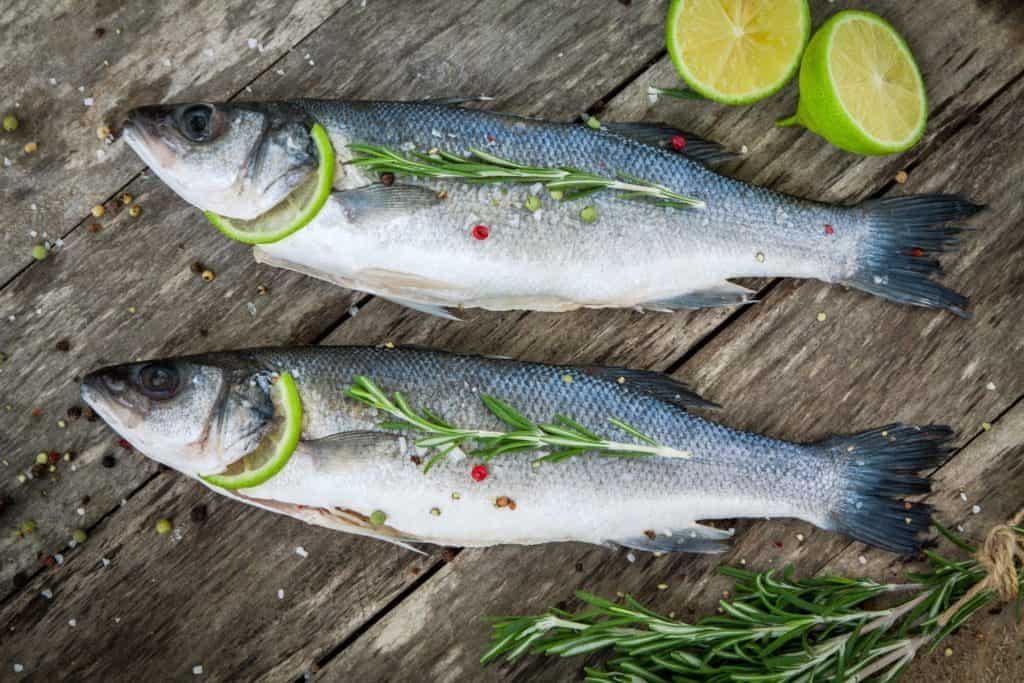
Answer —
905 233
696 538
430 309
379 199
657 384
879 467
724 293
659 134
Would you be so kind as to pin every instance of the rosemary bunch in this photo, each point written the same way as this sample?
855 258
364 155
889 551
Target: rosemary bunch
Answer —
482 167
564 436
775 629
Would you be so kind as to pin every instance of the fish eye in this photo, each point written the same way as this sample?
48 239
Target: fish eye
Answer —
158 382
196 122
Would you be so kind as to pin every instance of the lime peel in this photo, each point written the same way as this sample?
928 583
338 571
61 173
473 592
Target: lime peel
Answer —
276 449
271 228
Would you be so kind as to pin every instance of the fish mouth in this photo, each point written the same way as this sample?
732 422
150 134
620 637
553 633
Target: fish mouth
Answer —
141 132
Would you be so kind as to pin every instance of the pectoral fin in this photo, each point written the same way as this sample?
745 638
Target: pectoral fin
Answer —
696 538
380 200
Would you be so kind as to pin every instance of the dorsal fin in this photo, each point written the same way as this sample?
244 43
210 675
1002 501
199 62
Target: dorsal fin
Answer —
656 384
661 135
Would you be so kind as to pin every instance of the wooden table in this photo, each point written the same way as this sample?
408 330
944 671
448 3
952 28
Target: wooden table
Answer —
132 605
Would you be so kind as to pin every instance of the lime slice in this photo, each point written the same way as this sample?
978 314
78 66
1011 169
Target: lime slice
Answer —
860 88
297 209
737 51
275 449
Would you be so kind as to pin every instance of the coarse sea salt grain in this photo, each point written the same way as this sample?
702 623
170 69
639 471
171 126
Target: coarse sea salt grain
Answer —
72 623
631 556
862 559
991 386
47 593
252 43
18 668
301 552
975 509
197 670
88 101
280 594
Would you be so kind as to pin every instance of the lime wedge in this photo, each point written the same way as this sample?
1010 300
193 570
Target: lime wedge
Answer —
275 449
737 51
297 209
860 88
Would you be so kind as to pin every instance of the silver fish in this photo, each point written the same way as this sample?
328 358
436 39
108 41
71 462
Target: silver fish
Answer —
414 241
198 414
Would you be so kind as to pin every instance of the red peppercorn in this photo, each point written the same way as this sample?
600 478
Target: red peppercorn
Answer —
678 143
917 252
123 443
481 232
829 230
479 472
53 456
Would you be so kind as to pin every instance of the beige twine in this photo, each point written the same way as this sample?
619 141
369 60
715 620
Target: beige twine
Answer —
998 555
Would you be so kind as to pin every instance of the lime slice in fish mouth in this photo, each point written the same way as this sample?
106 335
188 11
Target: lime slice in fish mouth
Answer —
297 209
275 449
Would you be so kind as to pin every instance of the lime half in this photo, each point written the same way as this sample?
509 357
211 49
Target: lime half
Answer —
737 51
297 209
275 449
860 88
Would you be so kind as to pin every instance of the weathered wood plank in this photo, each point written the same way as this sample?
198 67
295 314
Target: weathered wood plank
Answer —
84 293
768 361
55 61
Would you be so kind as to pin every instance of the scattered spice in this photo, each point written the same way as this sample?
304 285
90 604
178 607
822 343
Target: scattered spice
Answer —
103 132
135 211
40 252
198 514
662 586
901 177
387 179
588 214
378 517
435 511
108 461
678 143
94 228
98 211
262 290
74 413
503 501
36 411
416 460
10 123
649 533
760 257
532 203
31 147
63 345
42 459
556 194
53 456
822 316
163 526
829 230
593 122
208 275
481 232
197 267
127 199
479 472
99 32
986 426
27 527
125 444
80 536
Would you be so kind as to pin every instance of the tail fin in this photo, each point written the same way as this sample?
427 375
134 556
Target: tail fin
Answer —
905 233
880 467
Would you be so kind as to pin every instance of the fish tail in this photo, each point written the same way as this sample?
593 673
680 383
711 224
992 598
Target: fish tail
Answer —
905 235
879 468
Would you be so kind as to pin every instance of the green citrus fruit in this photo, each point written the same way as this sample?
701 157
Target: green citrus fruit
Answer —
737 51
275 449
860 88
297 209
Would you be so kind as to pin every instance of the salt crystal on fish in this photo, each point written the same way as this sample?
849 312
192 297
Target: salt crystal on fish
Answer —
252 43
88 101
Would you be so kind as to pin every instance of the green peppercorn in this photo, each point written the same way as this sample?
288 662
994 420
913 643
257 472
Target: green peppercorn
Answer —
532 203
42 458
594 122
588 214
80 536
163 526
557 195
378 517
10 123
28 526
40 252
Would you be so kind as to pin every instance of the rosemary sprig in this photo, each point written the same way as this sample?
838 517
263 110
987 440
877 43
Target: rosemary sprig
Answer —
564 436
776 629
483 167
654 91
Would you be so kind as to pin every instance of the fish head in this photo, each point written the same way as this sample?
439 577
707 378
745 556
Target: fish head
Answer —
237 160
196 414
